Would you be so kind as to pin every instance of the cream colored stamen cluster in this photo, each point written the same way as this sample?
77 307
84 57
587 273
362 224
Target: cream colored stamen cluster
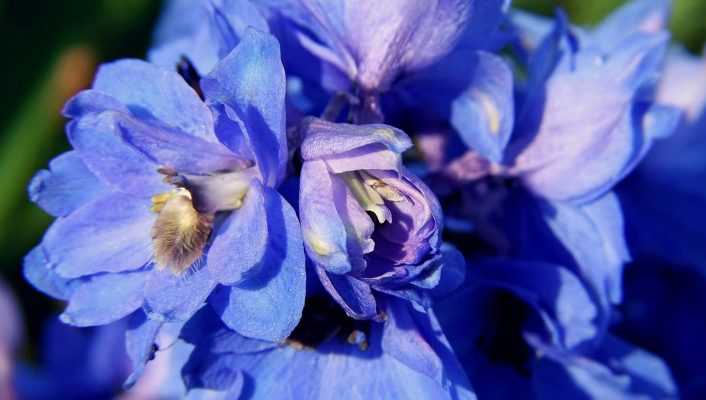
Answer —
372 193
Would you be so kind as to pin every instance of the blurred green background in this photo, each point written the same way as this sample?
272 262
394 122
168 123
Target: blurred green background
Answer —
50 50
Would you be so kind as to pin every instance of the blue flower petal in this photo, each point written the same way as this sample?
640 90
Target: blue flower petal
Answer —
268 305
38 272
157 95
244 232
103 299
250 83
169 297
325 236
593 234
620 372
416 340
353 295
643 16
474 91
557 295
92 101
109 234
139 342
65 186
98 140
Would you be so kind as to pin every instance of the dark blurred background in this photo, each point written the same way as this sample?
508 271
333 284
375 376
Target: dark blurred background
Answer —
50 50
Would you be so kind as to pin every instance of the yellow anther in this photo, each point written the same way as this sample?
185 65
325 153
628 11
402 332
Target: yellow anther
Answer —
318 245
491 111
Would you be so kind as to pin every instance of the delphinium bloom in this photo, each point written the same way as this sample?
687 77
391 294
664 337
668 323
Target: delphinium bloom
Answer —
587 116
663 199
168 200
329 355
429 59
370 226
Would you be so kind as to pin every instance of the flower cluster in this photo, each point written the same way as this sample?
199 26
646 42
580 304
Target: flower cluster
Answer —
401 199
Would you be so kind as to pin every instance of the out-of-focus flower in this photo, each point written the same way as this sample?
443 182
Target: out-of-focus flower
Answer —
76 363
10 339
501 334
330 355
368 224
168 201
663 201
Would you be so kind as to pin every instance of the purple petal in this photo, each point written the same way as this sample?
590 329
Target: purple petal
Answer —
327 210
325 139
110 234
103 299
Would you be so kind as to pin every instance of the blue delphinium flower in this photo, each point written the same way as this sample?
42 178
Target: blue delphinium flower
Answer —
329 355
369 225
587 117
168 201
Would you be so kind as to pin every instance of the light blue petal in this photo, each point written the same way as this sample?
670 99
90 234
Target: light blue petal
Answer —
250 83
65 186
39 273
157 95
110 234
268 306
643 16
244 232
103 299
139 343
99 142
169 297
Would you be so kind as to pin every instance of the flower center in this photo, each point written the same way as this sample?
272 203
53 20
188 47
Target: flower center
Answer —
371 193
186 214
